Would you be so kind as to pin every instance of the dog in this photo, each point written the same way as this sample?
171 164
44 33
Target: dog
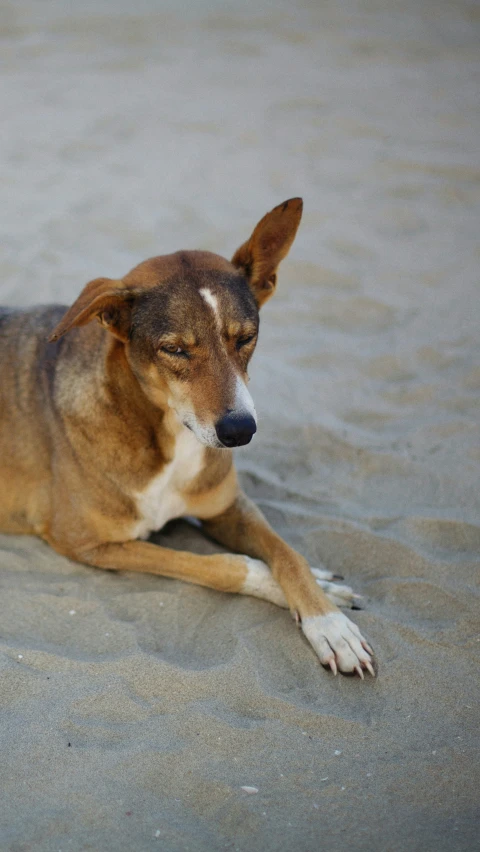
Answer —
110 429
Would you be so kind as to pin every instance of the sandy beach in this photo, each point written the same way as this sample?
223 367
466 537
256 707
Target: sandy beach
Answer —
134 710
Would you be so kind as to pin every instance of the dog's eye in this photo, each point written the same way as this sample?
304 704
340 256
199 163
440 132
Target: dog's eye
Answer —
172 349
244 341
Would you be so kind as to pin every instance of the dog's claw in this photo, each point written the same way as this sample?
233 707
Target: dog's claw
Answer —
369 667
333 665
359 672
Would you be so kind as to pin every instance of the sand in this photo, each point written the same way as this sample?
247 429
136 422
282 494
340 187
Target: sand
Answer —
136 710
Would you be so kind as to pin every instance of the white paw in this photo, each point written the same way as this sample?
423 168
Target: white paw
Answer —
339 595
338 643
321 574
260 583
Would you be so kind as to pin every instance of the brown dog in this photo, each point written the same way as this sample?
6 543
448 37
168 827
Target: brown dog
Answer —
110 430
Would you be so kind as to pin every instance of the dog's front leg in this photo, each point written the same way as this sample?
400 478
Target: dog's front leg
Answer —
336 640
225 572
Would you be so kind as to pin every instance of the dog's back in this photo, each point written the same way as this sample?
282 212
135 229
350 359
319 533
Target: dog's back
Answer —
26 411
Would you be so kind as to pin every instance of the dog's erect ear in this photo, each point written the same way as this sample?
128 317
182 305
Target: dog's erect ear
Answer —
108 300
268 245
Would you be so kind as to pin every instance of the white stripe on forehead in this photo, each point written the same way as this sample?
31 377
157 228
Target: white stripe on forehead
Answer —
211 300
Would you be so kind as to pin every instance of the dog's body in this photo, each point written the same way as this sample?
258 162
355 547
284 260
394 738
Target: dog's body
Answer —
112 430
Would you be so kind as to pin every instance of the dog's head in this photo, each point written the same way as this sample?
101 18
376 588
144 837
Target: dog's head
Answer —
189 325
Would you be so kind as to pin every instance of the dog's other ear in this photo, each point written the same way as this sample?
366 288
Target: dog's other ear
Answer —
104 298
269 244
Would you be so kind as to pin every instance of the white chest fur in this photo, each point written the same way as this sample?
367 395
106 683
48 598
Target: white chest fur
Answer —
163 499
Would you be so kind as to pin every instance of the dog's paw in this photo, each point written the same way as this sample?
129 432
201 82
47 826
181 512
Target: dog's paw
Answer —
338 643
339 595
260 583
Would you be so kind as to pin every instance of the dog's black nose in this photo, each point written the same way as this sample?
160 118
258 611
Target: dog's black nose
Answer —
235 431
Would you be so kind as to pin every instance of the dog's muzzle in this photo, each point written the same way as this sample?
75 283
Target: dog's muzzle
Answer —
235 430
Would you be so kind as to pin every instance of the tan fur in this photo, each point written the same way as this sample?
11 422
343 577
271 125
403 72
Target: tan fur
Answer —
92 421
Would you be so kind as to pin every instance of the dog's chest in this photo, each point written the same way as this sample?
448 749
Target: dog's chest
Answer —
164 498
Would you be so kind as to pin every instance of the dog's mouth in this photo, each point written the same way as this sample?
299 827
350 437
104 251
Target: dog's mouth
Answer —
235 429
205 435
